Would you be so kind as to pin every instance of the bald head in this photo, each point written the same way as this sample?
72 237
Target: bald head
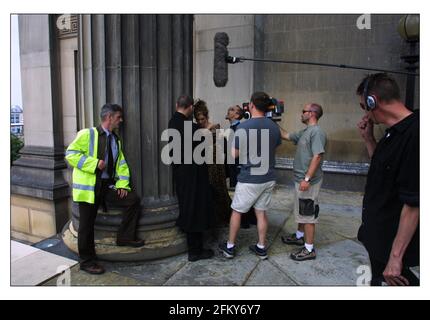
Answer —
316 108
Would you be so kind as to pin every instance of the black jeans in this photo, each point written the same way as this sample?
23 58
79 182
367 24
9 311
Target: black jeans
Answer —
88 214
378 270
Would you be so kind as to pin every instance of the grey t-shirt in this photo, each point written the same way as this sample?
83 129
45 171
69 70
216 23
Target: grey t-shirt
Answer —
310 142
257 156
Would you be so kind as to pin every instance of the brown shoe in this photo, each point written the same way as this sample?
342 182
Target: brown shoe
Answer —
303 255
92 268
292 239
130 243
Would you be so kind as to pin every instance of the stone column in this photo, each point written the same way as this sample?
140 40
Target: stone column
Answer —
147 65
39 190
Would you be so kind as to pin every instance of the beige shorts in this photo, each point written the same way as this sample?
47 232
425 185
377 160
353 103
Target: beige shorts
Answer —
249 195
311 194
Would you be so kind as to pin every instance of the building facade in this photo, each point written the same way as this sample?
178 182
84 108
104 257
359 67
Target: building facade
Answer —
16 121
72 64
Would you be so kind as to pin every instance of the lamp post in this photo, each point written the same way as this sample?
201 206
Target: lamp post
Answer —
409 30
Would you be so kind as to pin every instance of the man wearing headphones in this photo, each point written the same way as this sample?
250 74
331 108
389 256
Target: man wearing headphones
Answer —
390 221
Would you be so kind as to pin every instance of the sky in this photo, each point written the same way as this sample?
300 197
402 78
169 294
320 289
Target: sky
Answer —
16 96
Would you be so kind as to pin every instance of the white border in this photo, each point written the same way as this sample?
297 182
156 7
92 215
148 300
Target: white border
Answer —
216 293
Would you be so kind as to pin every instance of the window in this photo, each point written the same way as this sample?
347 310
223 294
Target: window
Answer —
14 118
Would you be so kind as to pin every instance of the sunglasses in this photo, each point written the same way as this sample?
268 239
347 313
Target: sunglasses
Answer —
304 111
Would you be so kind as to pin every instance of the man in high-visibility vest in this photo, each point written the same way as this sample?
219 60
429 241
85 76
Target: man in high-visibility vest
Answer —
101 176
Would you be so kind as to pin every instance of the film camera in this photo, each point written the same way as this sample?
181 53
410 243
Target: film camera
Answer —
274 111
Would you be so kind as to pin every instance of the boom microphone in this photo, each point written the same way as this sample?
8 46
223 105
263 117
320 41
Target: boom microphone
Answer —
220 59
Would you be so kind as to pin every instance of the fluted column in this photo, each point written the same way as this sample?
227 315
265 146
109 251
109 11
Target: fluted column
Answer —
142 62
85 72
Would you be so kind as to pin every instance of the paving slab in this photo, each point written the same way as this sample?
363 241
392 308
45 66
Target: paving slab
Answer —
341 197
155 273
218 271
83 279
266 274
19 250
38 267
336 265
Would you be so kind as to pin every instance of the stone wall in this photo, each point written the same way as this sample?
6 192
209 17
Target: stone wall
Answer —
331 39
240 29
33 220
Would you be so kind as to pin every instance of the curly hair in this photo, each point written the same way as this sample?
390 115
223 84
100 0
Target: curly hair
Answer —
200 107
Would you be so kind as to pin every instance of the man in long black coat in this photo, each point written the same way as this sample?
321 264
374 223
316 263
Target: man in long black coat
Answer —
196 210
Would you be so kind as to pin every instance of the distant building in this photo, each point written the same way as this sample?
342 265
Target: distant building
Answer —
16 120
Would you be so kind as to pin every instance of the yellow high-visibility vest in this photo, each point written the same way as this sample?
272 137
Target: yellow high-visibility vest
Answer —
82 156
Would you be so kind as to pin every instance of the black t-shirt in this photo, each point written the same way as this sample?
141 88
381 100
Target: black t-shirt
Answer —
180 122
392 181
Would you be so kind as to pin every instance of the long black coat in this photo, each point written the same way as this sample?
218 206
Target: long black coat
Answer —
196 208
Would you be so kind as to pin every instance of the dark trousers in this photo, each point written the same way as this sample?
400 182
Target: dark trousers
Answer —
233 172
378 270
88 214
195 242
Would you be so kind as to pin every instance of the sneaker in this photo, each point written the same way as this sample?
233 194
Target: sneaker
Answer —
228 253
303 254
205 254
292 239
261 253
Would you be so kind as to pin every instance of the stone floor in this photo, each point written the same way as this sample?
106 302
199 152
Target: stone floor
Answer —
340 258
31 266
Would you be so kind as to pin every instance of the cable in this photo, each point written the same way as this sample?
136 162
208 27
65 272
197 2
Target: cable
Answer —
241 59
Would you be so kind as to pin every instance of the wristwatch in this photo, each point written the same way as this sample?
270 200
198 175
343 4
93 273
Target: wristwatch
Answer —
307 179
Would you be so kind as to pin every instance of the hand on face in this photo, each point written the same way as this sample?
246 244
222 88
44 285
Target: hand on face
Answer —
365 128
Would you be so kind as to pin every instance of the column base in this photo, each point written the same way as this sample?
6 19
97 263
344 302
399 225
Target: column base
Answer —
161 243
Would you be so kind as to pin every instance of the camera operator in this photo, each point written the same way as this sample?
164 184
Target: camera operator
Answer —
308 177
254 190
234 115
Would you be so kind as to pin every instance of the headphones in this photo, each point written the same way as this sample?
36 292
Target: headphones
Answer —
369 100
